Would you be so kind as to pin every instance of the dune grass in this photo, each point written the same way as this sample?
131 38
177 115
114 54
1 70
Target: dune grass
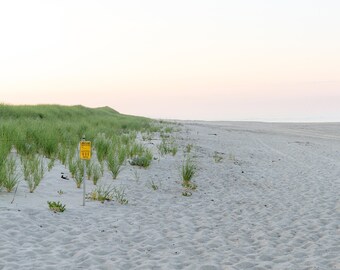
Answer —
54 132
167 146
113 165
48 129
188 170
9 177
97 173
33 169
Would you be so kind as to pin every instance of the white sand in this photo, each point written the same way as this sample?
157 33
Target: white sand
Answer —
271 203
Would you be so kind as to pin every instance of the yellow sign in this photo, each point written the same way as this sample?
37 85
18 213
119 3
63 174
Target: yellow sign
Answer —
85 150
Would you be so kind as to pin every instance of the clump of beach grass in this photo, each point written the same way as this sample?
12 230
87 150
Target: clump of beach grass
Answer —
167 146
102 193
97 173
9 178
136 149
120 196
79 173
62 154
113 164
72 167
122 153
33 169
102 145
188 171
89 169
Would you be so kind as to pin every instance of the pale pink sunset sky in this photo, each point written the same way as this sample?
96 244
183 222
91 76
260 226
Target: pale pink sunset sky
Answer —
179 59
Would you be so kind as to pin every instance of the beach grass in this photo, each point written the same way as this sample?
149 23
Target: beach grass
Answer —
188 170
102 193
49 129
113 164
33 170
9 177
97 173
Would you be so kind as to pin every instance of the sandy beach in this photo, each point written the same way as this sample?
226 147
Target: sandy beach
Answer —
267 198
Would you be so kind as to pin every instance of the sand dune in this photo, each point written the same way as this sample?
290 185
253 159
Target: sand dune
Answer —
270 203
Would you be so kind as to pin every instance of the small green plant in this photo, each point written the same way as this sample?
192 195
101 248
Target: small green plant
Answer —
153 185
56 206
60 192
167 146
217 157
174 150
186 193
188 148
120 196
189 185
102 193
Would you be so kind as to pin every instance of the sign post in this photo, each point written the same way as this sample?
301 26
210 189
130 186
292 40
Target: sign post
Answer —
85 154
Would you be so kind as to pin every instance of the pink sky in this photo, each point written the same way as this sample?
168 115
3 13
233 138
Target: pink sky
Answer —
210 60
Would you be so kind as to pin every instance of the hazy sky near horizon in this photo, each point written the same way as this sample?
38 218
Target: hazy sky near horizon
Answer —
184 59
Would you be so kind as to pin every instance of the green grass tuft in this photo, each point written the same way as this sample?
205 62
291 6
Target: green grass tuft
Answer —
56 206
